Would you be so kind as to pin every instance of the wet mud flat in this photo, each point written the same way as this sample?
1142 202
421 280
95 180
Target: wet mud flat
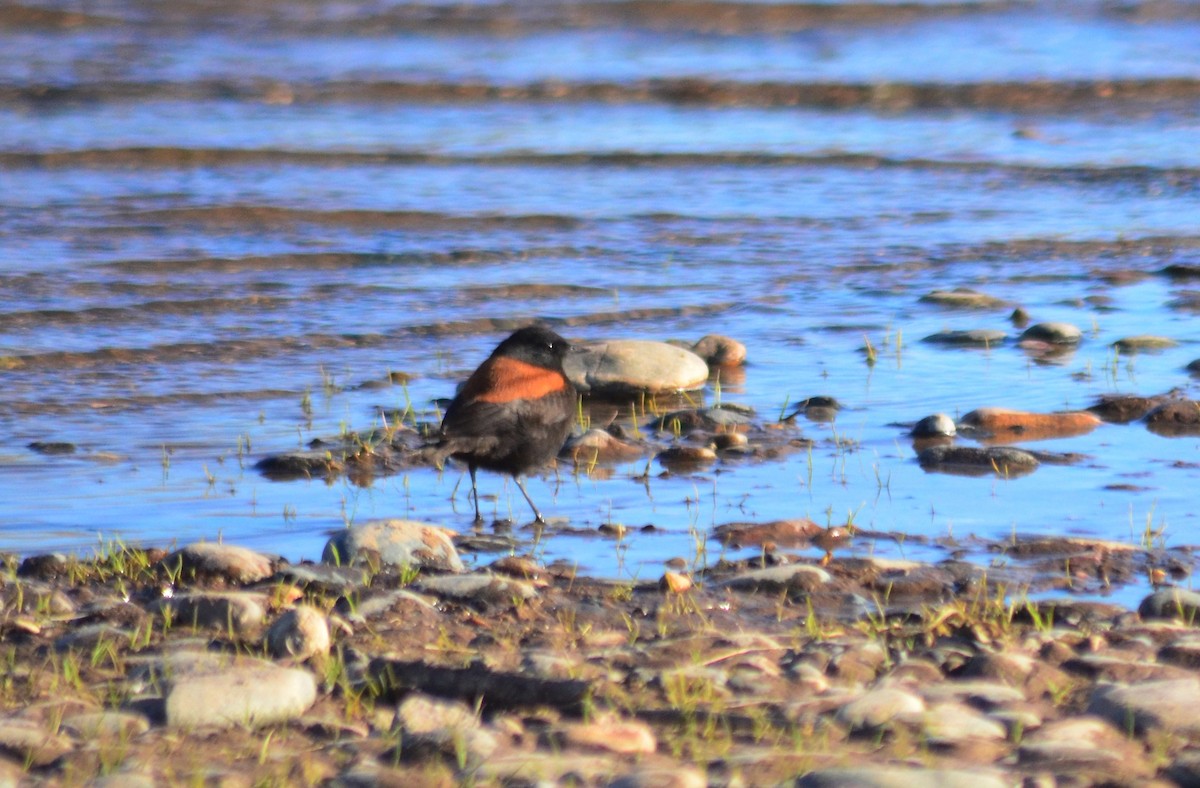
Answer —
388 664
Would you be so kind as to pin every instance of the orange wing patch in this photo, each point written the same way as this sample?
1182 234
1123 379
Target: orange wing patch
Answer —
505 379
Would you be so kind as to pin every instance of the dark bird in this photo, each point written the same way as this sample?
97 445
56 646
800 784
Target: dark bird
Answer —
514 413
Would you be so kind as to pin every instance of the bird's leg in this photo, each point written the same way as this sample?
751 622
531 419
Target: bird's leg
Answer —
475 494
537 516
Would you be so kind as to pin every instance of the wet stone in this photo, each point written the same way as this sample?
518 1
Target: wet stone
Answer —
1124 408
237 613
626 366
1176 417
717 419
939 425
781 533
1020 425
207 560
1053 333
316 464
720 351
682 458
51 447
246 692
1171 603
972 337
300 633
399 543
977 461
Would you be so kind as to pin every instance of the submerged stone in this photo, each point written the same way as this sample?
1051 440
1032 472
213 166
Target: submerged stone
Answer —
963 298
1175 418
1144 342
977 461
1053 333
974 337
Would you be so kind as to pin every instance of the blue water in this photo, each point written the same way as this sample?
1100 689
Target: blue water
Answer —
273 250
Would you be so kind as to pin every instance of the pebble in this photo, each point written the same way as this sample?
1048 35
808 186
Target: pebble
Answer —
972 337
479 587
1052 333
977 461
629 366
399 543
240 692
879 707
300 633
218 560
939 425
718 350
240 614
963 298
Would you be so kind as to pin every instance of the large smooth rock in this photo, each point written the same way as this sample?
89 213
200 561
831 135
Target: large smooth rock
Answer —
245 692
1150 705
626 366
1171 603
901 777
239 614
397 543
214 559
963 298
879 707
482 587
446 727
1053 333
1004 461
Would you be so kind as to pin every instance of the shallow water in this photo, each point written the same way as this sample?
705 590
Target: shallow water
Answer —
217 224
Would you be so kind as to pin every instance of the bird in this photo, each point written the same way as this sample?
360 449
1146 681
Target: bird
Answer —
513 414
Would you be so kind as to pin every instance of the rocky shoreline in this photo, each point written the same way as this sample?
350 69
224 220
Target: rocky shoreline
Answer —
388 664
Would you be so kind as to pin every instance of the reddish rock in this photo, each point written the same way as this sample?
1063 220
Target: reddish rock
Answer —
1005 425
